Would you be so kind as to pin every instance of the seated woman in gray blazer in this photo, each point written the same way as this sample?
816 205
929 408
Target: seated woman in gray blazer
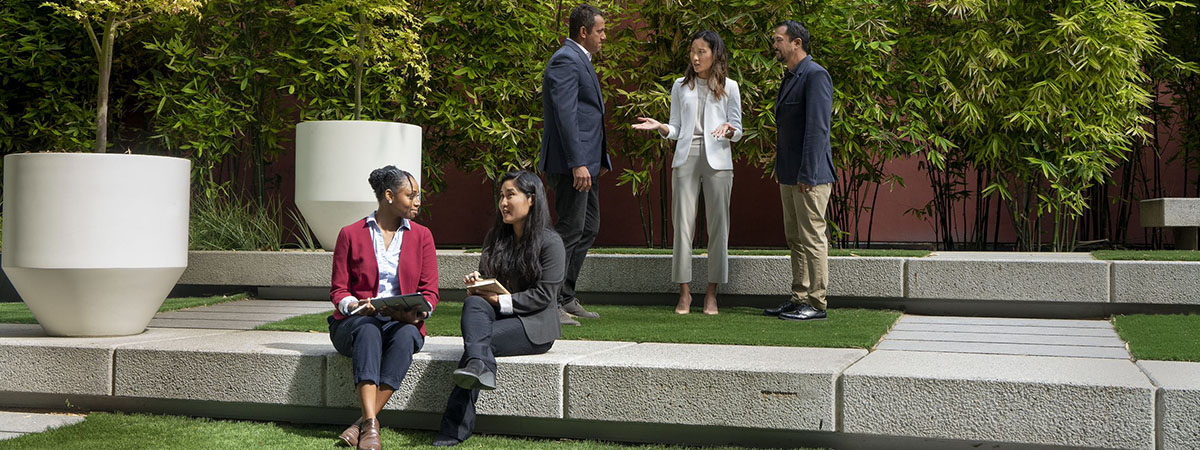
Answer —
524 253
706 117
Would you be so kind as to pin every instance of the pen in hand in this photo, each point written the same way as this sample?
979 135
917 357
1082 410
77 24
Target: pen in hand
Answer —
360 307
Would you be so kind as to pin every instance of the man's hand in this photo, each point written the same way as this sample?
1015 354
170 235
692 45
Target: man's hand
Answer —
583 179
803 188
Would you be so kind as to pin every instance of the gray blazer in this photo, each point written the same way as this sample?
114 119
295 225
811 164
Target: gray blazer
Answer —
802 115
537 304
573 114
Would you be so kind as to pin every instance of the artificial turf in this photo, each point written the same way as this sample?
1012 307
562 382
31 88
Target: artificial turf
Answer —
1167 337
18 313
101 431
845 328
1147 255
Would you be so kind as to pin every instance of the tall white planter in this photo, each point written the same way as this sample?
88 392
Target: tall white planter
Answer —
333 160
94 242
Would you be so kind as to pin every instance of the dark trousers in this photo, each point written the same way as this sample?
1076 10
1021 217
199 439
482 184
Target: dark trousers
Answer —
578 223
381 351
485 336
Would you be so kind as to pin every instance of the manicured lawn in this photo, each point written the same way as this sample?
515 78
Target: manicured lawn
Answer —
137 431
874 252
845 328
18 313
1147 255
1167 337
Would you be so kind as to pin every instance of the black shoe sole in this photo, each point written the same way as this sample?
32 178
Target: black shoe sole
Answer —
467 380
801 320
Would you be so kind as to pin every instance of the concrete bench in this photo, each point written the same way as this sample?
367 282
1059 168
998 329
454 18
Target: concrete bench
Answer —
1181 215
680 393
1024 400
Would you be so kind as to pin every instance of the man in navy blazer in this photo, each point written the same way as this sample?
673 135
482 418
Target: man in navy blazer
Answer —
574 151
804 168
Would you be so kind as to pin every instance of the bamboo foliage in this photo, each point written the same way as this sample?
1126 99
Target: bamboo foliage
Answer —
1025 108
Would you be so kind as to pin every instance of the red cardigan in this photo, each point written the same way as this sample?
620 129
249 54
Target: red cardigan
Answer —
355 272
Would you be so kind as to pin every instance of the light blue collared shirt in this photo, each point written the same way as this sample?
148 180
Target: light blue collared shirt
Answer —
388 259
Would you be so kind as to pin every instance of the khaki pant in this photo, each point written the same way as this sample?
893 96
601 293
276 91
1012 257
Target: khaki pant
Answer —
804 226
686 182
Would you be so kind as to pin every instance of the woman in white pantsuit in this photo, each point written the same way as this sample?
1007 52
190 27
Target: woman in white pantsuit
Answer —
706 117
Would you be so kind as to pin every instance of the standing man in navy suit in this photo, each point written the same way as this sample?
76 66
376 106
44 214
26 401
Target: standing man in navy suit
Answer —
804 168
574 151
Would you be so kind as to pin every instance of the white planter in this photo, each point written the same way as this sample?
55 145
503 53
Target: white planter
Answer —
94 242
334 159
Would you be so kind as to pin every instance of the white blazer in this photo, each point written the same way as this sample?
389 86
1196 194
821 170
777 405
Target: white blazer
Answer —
716 112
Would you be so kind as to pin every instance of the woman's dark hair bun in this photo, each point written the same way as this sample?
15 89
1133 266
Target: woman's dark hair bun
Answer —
388 177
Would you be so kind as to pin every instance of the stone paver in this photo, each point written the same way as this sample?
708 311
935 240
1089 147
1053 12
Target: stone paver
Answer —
1005 336
1005 321
14 423
1016 329
240 315
28 422
1073 351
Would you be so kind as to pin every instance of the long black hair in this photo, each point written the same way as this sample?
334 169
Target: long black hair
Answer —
516 260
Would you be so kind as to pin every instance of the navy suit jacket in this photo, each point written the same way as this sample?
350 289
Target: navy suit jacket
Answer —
802 114
573 114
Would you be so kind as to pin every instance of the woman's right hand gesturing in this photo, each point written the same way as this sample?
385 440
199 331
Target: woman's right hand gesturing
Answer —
648 124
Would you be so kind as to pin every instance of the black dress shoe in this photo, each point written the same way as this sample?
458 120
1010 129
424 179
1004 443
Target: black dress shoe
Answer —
806 312
444 441
475 375
785 307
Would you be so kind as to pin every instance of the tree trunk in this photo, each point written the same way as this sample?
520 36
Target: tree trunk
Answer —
105 58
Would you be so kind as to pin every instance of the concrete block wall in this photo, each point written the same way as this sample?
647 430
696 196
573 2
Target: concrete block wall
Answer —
959 276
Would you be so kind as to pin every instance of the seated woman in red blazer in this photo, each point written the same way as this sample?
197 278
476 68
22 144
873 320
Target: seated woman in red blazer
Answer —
383 255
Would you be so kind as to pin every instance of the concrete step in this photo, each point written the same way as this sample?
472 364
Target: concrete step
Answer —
741 386
1029 400
1178 402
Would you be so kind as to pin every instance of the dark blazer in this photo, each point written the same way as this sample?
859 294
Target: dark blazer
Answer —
802 114
356 273
537 304
573 114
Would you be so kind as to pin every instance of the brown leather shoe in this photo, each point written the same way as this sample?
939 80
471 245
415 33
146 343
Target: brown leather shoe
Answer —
368 435
349 437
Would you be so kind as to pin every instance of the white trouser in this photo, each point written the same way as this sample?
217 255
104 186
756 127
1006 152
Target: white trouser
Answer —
686 182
